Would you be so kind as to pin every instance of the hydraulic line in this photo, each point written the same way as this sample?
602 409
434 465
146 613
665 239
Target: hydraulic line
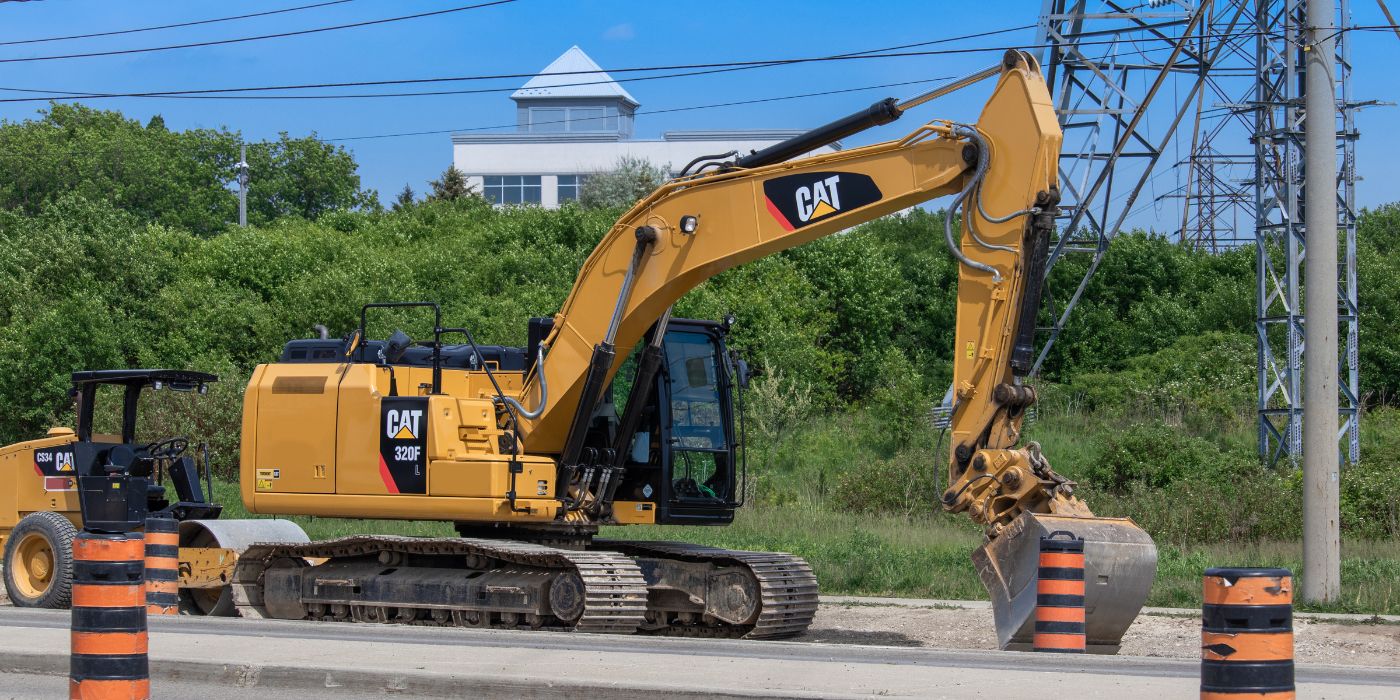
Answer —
965 131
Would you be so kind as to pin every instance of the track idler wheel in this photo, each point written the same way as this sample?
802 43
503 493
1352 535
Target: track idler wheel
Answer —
566 597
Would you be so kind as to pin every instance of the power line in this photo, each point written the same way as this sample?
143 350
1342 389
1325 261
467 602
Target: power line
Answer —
172 26
260 37
208 93
871 54
652 111
68 95
35 151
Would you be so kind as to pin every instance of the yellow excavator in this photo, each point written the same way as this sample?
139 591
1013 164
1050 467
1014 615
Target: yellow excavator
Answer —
530 450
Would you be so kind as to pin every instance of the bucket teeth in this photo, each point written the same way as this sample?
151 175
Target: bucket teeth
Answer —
1120 563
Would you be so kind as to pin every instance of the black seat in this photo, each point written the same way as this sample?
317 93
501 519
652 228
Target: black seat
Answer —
120 459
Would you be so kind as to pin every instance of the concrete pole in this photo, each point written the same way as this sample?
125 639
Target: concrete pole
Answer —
1322 559
242 185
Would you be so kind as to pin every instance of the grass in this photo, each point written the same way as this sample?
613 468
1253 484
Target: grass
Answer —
930 556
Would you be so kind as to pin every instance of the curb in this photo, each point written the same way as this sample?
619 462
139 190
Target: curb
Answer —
1165 612
261 678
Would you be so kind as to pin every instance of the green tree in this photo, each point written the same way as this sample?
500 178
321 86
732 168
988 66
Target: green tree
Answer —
175 178
451 187
406 198
1378 279
303 177
629 180
172 177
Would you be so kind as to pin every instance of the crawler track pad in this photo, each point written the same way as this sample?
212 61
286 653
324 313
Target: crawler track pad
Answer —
1120 563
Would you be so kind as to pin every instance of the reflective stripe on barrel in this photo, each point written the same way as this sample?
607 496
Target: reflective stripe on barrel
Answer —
162 566
109 618
1059 599
1247 634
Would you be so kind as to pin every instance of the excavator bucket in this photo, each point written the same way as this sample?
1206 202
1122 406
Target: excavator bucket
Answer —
1120 562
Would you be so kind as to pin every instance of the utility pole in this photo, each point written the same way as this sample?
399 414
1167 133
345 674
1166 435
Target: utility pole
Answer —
242 185
1322 561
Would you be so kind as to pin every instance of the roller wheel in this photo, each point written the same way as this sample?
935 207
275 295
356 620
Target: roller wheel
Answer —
39 561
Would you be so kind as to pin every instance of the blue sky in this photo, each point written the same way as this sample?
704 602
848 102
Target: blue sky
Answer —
526 36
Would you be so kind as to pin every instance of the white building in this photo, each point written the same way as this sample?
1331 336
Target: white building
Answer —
573 119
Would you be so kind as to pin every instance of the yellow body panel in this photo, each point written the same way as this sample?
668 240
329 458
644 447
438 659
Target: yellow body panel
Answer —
400 507
24 489
634 512
330 464
490 477
303 396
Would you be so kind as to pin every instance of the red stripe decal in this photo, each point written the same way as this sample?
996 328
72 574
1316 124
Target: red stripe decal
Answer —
37 469
782 220
386 476
58 483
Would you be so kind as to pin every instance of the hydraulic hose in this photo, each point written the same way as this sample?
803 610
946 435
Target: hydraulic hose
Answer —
984 160
970 133
544 390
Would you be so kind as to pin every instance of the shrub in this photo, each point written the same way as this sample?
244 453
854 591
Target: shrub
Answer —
629 180
905 484
1151 455
1225 506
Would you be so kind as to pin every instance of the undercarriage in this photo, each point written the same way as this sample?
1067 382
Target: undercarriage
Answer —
618 587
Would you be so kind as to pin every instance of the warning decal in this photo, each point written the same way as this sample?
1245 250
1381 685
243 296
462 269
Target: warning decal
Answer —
403 444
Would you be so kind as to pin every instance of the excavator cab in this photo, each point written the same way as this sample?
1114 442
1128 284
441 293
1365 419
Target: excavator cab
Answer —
683 453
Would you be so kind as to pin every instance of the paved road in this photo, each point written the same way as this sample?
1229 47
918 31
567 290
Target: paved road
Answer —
234 658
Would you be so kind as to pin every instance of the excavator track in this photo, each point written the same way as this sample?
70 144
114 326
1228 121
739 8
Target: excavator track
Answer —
787 587
614 592
613 576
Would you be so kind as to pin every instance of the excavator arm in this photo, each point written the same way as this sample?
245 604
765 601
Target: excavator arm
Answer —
1002 172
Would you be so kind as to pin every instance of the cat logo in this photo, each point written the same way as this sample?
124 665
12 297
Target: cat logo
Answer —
798 200
402 424
63 461
403 444
823 198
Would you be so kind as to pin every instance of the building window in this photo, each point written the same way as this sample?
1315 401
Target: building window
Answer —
570 187
587 119
557 119
512 189
547 119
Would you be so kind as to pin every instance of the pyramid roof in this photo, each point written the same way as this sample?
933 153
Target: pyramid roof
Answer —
560 78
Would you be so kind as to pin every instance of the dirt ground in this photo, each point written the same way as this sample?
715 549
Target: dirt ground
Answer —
1360 644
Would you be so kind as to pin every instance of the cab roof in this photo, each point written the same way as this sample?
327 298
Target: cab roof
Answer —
142 377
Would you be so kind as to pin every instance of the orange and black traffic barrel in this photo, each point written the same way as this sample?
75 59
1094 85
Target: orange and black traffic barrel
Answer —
162 566
1059 595
1247 634
109 619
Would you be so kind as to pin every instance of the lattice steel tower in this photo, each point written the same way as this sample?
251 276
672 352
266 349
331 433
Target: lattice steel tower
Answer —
1116 69
1123 78
1280 238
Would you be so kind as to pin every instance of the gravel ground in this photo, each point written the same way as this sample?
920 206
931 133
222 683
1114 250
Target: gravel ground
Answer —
1360 644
